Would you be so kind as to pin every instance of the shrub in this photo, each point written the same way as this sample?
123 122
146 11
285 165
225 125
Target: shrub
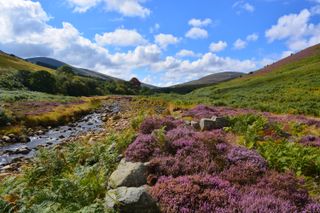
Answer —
194 194
150 124
141 149
4 118
42 81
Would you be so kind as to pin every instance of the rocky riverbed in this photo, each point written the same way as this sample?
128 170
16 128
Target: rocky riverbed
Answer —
11 153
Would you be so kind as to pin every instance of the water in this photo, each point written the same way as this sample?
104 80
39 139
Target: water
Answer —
90 123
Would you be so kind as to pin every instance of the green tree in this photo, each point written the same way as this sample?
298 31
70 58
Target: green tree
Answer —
43 81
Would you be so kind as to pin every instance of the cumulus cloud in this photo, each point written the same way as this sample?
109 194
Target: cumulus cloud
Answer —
121 37
243 6
200 23
67 44
82 6
187 53
124 7
163 40
218 46
197 33
296 29
239 44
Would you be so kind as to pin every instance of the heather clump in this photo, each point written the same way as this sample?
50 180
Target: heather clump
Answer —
241 154
151 124
141 149
194 194
310 140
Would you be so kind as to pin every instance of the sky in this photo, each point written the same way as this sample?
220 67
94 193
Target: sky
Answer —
162 42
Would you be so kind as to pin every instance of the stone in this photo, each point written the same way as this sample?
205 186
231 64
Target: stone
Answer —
206 124
213 123
131 200
12 135
220 122
24 139
195 124
128 174
40 132
6 138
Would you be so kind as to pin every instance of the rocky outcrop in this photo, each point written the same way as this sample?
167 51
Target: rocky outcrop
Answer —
131 200
128 174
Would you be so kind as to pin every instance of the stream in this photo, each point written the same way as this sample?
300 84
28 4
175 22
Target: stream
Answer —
90 123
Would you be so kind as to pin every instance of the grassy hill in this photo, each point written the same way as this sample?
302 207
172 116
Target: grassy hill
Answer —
291 85
11 62
205 81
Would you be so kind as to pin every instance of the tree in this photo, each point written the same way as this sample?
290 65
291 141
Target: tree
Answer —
66 70
43 81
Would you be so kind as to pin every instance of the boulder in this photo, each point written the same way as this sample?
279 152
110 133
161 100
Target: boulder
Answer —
213 123
128 174
206 124
24 139
131 200
195 124
6 138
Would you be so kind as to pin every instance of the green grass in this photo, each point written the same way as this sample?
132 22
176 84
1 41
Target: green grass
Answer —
292 88
8 64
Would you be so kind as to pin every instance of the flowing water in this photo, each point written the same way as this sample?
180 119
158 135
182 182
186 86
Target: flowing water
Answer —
90 123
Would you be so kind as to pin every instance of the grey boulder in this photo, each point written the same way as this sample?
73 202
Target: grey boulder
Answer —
131 200
128 174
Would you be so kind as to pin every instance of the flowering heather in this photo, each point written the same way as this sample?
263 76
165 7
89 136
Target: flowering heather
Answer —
240 154
312 208
194 194
150 124
180 132
141 149
310 140
242 173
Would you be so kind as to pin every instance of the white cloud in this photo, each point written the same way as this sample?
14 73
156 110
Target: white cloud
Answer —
197 33
163 40
124 7
182 70
239 44
121 37
252 37
218 46
243 6
82 6
200 23
296 30
67 44
128 7
187 53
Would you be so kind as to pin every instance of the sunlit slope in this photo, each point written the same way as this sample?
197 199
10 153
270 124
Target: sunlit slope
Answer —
291 85
10 63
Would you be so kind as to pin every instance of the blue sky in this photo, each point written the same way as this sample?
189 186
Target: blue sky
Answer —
160 42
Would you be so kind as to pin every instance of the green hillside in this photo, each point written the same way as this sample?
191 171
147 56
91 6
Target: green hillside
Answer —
291 85
10 63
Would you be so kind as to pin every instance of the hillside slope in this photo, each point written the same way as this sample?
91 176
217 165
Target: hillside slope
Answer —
291 85
202 82
11 62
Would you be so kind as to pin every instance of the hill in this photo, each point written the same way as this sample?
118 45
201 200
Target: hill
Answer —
11 62
202 82
291 85
56 77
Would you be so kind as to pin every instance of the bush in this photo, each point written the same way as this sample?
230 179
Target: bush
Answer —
43 81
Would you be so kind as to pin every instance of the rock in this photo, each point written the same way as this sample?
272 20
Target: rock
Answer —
90 124
21 150
6 138
24 139
12 135
220 122
131 200
40 132
187 122
206 124
195 124
213 123
61 137
7 168
128 174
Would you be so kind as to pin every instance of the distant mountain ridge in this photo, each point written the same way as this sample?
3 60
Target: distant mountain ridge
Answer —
205 81
54 64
